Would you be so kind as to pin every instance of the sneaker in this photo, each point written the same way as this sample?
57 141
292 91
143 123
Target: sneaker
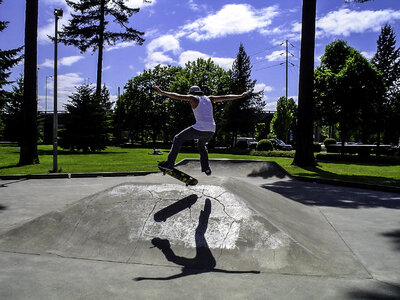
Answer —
208 172
165 166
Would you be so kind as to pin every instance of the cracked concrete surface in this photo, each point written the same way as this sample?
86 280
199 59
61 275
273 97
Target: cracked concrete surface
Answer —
240 222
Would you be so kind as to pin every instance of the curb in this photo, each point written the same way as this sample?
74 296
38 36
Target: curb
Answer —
76 175
390 189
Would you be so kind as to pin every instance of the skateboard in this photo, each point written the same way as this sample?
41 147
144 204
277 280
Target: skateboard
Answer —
181 176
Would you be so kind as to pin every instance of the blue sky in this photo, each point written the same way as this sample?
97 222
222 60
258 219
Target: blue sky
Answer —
178 31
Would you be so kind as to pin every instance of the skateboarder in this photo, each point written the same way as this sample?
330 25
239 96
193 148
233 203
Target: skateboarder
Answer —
204 128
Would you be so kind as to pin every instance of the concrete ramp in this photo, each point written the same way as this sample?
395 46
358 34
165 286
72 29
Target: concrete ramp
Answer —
236 168
230 227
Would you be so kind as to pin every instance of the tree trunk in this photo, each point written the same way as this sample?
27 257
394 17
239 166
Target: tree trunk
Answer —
100 46
28 152
304 155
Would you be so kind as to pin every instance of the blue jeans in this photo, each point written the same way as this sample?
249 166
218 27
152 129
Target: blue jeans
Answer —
191 134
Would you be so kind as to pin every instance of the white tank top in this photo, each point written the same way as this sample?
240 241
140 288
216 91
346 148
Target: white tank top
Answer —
204 115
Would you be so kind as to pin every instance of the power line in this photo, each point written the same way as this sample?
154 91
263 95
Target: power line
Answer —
268 67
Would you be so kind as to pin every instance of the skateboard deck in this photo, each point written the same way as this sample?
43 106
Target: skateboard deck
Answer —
181 176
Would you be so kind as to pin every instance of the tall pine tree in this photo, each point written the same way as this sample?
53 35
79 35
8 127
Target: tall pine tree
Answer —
8 59
87 126
88 28
387 60
241 115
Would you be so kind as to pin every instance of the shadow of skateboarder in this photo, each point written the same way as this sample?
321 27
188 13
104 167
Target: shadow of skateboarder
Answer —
203 261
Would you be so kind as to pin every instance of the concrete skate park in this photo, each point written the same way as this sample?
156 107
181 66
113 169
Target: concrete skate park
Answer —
248 231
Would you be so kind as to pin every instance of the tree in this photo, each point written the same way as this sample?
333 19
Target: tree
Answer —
326 89
28 152
387 61
241 116
87 126
13 113
304 155
88 28
146 112
304 142
283 118
348 90
8 59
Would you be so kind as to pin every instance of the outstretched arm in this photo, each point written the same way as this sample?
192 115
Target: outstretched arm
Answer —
229 97
173 95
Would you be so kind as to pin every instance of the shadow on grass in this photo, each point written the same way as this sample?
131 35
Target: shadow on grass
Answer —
369 179
9 166
312 194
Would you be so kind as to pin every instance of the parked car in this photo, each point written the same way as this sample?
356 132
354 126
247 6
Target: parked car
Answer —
280 145
251 142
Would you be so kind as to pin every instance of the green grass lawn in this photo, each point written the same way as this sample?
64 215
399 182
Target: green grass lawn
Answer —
115 159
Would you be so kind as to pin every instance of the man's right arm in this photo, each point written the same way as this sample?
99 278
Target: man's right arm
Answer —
171 94
229 97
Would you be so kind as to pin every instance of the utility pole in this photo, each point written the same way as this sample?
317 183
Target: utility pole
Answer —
287 65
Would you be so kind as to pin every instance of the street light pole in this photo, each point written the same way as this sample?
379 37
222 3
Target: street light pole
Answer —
58 13
45 109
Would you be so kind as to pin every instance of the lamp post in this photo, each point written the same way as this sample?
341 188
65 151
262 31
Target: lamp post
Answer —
45 109
58 13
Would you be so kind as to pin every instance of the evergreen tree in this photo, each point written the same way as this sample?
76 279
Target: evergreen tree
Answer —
8 59
87 126
12 113
28 153
241 116
387 57
88 28
387 61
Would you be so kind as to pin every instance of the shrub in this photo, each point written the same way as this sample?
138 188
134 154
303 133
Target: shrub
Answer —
265 145
329 141
316 147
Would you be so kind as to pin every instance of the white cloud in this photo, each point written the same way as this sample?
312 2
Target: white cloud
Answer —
120 45
157 49
368 54
67 84
262 86
70 60
139 3
231 19
270 106
165 43
276 56
65 61
345 21
190 55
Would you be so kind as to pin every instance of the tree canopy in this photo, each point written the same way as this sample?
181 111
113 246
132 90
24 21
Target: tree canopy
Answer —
89 27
